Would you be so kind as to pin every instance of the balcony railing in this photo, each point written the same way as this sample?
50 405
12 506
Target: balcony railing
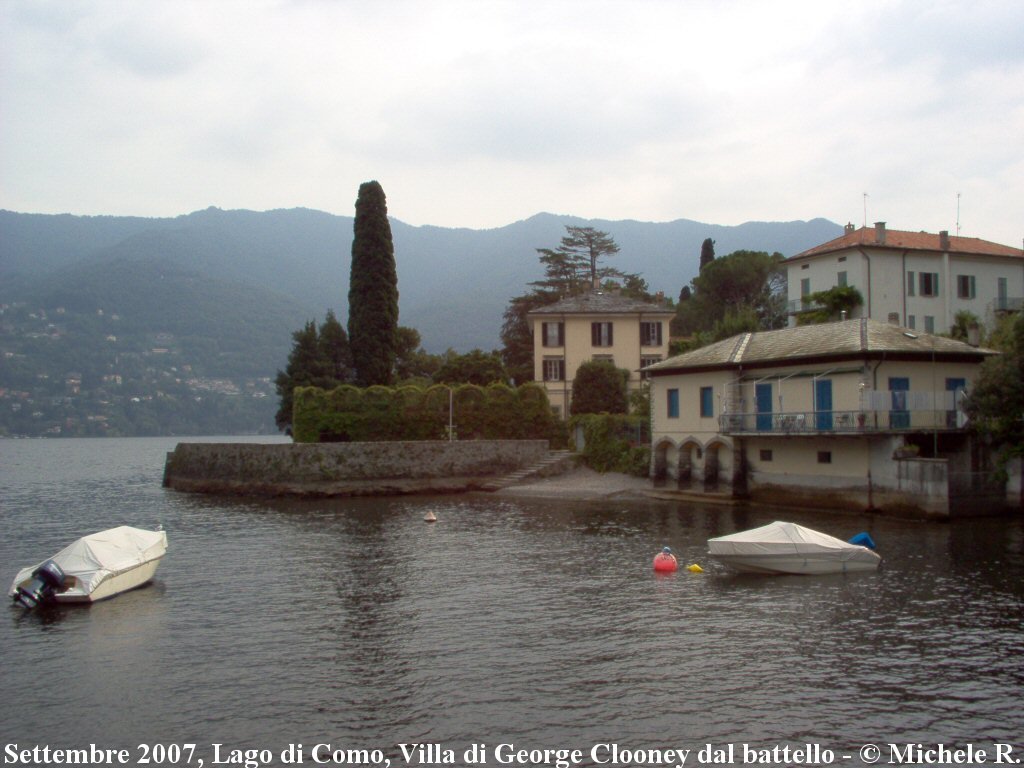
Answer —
848 422
795 306
1008 304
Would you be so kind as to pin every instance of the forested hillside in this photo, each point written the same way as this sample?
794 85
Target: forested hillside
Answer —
124 325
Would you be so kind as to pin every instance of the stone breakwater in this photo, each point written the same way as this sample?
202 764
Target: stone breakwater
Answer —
346 469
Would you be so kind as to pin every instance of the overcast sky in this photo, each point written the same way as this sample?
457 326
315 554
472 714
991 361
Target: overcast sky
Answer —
480 113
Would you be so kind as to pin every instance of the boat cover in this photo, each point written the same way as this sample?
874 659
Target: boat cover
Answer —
781 538
94 558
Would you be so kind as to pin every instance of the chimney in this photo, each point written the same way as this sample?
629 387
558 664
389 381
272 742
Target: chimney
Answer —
880 232
944 240
973 335
850 229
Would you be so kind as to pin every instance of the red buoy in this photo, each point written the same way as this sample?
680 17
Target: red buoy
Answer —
665 561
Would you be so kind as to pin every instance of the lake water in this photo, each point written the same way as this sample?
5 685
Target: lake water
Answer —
525 622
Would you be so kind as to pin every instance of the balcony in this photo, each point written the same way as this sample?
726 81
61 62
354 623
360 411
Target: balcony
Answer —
1007 304
808 423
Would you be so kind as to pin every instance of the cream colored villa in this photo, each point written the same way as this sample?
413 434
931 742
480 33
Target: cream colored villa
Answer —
854 414
915 279
597 325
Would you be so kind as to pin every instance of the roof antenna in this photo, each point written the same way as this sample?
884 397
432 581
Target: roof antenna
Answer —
958 214
865 209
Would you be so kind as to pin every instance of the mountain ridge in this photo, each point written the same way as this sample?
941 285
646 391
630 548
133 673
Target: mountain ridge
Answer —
454 283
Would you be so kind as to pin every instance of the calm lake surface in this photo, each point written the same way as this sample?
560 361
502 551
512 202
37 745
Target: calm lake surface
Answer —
537 623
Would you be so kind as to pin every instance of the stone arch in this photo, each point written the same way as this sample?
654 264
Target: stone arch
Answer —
718 465
690 453
659 460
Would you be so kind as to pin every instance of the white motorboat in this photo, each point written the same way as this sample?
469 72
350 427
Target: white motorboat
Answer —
93 568
782 547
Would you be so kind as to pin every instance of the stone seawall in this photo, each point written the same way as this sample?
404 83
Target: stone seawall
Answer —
346 469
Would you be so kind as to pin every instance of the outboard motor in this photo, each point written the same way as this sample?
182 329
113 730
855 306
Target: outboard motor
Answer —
46 579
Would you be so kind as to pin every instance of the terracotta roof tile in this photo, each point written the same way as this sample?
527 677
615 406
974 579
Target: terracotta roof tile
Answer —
914 241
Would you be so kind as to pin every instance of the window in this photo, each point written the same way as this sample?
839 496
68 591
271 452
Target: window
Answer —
841 279
766 454
929 324
650 334
646 360
929 283
965 286
673 403
824 457
554 335
912 322
842 259
601 334
554 369
707 402
910 283
805 286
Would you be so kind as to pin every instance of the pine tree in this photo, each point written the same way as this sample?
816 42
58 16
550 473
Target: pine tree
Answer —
373 290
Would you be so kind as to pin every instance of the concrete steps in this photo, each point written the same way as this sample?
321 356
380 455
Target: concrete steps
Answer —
555 463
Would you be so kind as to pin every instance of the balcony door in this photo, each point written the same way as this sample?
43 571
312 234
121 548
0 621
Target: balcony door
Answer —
823 404
899 415
763 398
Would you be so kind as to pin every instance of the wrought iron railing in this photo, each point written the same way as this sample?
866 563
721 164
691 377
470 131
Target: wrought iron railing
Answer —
810 422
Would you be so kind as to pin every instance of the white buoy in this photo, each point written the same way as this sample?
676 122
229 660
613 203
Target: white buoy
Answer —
430 517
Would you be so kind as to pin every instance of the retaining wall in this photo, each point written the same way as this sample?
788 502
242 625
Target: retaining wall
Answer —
346 469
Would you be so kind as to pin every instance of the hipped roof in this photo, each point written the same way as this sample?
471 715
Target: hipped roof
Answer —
847 339
601 303
867 237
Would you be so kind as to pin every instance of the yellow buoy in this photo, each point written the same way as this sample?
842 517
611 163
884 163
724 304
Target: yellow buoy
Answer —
694 568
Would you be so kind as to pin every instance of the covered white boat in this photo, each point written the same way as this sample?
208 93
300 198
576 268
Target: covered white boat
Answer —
93 568
782 547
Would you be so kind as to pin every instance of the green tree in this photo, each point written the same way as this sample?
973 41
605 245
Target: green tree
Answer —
304 367
707 253
599 387
373 290
334 350
476 367
573 267
411 361
319 358
517 334
963 322
831 304
996 403
731 285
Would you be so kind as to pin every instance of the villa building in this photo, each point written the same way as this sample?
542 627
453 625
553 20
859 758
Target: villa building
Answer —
915 279
855 414
597 325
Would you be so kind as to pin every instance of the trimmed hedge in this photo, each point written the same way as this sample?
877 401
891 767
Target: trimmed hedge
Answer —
494 412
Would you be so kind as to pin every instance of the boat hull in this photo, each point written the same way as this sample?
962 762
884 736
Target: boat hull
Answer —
112 585
795 565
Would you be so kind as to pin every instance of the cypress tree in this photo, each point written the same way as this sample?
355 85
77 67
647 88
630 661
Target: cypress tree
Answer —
373 290
707 253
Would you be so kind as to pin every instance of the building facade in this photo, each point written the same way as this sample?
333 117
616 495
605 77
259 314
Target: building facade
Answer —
597 325
854 414
915 279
